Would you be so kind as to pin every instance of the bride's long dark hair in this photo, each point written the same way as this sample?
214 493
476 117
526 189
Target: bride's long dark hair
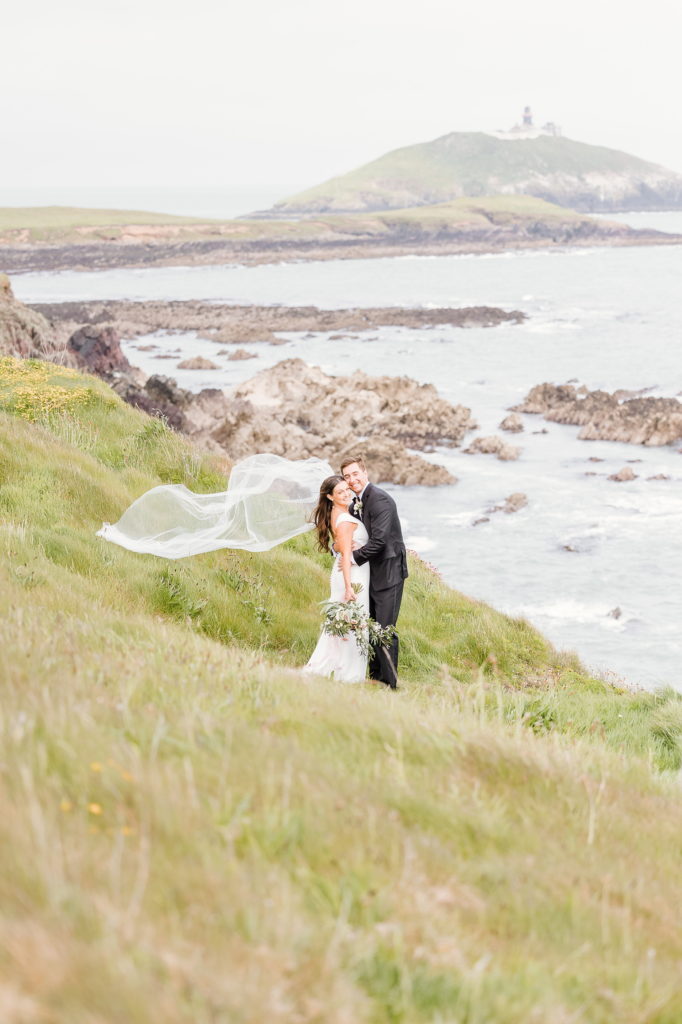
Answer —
322 516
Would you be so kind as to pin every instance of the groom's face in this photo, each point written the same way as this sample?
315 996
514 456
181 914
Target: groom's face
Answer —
355 477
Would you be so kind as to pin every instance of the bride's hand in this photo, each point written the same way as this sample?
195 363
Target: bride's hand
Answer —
349 595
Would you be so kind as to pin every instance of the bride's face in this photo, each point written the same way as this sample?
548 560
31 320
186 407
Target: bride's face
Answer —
342 494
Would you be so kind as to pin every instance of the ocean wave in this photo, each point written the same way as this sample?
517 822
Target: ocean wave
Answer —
582 612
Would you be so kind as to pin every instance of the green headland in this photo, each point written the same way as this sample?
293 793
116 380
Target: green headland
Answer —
560 170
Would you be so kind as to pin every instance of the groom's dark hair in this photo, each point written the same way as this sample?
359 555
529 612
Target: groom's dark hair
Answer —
349 459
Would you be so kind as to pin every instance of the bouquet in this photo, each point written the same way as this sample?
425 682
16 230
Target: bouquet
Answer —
343 618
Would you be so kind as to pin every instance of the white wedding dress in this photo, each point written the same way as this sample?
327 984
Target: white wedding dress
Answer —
337 656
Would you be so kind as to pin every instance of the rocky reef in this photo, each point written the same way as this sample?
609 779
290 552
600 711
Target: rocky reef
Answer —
602 416
296 411
228 324
290 409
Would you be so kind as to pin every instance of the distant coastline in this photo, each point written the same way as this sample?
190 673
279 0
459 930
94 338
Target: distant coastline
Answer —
59 238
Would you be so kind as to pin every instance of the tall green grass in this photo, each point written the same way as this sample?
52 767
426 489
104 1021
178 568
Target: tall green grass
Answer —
193 831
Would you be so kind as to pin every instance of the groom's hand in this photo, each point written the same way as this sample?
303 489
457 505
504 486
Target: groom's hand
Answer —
354 547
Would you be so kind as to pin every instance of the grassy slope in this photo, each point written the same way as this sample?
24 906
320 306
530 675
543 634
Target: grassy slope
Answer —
473 162
192 832
60 225
40 217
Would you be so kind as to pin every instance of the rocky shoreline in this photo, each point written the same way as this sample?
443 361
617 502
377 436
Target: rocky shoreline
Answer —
238 325
290 409
624 416
297 411
155 251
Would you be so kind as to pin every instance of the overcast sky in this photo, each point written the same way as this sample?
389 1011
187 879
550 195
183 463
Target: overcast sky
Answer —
215 92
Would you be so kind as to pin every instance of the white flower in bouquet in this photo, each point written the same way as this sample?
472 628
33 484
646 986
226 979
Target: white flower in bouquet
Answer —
346 619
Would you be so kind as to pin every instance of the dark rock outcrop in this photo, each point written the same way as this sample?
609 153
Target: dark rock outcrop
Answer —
608 417
24 333
97 349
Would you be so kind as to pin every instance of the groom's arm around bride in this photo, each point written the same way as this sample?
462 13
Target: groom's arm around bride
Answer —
385 551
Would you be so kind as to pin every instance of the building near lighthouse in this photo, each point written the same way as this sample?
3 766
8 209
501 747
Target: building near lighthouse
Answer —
526 129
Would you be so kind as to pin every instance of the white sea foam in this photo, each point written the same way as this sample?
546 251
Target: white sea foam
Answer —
567 610
420 544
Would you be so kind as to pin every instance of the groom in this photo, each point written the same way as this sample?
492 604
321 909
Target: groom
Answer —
385 552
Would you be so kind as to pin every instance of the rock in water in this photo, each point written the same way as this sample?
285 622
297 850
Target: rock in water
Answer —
197 363
515 501
512 423
608 417
358 406
623 475
493 445
240 353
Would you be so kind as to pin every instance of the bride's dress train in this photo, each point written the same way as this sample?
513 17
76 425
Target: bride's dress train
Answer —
337 656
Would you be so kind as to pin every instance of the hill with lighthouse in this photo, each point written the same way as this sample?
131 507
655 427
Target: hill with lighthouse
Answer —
530 160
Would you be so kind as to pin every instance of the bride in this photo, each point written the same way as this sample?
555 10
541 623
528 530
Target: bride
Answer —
336 656
268 501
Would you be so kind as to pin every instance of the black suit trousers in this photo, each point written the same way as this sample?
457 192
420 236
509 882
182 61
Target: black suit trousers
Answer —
384 607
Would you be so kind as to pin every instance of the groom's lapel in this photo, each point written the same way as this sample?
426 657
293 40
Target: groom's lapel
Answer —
354 510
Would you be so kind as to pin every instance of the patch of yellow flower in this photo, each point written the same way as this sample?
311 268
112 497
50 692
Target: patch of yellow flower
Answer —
31 388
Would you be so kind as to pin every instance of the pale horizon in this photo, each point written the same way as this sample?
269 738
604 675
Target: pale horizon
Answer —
161 94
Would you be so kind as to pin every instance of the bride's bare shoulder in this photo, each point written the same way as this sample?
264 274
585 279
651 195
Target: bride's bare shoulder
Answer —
344 517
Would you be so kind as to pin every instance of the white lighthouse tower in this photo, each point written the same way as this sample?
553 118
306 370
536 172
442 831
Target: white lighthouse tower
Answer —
526 129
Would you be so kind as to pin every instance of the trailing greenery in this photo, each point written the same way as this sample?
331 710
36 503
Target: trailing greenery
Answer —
193 831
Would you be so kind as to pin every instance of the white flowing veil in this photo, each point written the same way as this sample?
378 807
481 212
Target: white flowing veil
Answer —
268 500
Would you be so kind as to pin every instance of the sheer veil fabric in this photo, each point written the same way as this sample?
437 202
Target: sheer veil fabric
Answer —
268 501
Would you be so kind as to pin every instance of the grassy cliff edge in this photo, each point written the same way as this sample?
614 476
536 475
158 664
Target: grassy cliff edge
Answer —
193 832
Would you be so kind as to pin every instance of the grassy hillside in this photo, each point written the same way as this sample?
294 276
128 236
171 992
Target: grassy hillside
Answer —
477 164
194 832
45 217
67 226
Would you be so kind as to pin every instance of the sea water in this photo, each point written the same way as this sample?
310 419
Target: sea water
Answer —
593 563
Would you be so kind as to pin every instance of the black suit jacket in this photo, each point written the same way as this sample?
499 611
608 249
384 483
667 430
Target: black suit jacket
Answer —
385 549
